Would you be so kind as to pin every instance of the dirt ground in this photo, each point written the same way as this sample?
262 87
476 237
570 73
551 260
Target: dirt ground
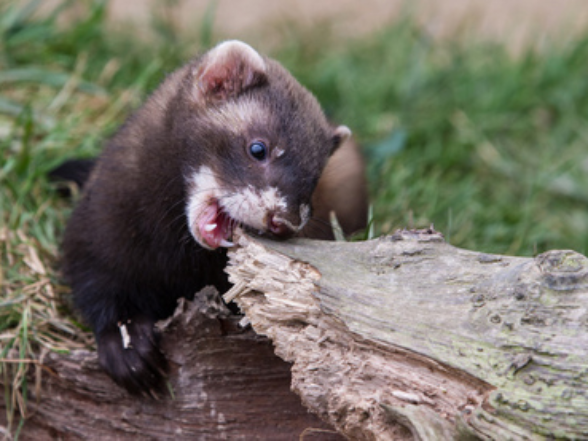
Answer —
513 22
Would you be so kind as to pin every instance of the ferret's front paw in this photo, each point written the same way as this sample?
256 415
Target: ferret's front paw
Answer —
130 354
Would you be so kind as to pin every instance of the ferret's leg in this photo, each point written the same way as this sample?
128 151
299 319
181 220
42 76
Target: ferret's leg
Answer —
125 332
129 352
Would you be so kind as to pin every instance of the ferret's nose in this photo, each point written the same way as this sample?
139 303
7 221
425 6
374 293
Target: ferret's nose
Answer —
278 226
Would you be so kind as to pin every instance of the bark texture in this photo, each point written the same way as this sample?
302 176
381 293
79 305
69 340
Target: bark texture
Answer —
227 384
409 337
403 337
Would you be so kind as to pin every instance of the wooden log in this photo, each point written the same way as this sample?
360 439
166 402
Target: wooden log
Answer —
408 337
226 382
403 337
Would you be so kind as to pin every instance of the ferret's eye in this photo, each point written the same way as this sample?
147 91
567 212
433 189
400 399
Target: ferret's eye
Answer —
258 150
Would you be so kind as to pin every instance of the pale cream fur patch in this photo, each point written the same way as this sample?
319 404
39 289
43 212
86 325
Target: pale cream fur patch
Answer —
237 116
251 206
248 205
203 188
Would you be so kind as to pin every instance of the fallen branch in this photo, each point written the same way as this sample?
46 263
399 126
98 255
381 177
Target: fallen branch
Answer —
404 337
226 381
408 337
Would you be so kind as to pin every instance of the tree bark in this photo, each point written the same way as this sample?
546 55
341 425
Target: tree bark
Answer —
408 337
226 382
403 337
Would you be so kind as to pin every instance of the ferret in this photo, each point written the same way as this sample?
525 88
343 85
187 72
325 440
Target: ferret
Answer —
230 139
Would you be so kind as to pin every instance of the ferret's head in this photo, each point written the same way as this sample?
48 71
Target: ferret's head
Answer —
256 143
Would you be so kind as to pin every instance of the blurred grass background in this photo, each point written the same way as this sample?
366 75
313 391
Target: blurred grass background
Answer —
489 147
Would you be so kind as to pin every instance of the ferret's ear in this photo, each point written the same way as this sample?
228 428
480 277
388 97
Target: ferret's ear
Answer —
228 70
340 135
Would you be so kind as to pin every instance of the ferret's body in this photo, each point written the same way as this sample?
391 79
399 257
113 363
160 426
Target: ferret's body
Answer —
229 139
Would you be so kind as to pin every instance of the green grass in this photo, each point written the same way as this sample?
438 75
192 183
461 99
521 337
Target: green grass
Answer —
492 149
489 148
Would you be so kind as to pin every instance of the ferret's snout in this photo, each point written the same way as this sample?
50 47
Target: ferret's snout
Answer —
284 223
279 226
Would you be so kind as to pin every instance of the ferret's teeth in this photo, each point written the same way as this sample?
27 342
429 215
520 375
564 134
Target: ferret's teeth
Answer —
226 243
209 227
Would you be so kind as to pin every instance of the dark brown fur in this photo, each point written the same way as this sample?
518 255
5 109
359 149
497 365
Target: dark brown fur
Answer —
128 251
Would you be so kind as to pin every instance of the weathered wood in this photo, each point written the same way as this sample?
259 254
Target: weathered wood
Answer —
406 336
227 384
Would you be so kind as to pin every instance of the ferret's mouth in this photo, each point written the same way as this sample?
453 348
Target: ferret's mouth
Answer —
215 227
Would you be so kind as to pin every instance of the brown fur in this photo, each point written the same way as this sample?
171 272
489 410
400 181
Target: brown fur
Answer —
129 252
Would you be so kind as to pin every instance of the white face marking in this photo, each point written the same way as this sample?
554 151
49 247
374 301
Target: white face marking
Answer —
248 206
203 187
237 116
252 206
